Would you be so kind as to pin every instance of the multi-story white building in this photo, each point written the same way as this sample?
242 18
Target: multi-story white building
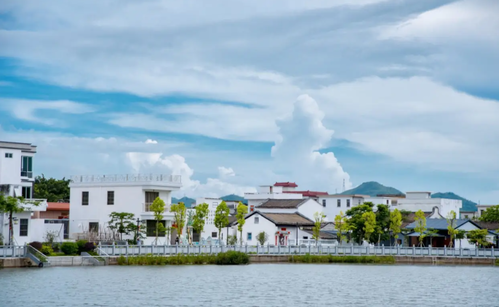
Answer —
415 201
16 179
210 231
94 198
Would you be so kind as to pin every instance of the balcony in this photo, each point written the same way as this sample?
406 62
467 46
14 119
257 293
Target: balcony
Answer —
127 178
27 174
146 207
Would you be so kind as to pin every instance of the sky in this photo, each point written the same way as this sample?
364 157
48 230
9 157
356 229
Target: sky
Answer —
233 94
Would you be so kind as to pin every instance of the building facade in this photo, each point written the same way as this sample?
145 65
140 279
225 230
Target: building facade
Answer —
94 198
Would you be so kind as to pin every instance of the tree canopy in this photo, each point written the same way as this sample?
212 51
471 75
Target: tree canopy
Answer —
179 215
221 217
200 215
53 190
341 226
491 214
356 221
122 223
242 210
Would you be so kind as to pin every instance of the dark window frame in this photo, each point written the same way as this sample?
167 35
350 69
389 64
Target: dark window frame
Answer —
151 228
338 203
249 236
8 155
85 195
214 234
23 229
110 198
348 203
93 227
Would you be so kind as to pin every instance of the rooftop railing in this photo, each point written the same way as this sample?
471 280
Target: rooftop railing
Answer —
127 178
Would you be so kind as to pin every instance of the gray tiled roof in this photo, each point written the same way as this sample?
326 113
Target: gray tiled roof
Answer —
282 203
439 224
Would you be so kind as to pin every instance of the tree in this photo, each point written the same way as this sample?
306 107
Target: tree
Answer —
382 225
221 217
431 233
451 227
53 190
420 228
190 221
369 224
242 210
11 205
356 221
262 237
122 223
158 208
478 236
316 231
490 215
341 226
179 214
395 223
460 235
200 215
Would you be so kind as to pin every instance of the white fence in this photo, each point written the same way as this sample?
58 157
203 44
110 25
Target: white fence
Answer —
126 250
13 251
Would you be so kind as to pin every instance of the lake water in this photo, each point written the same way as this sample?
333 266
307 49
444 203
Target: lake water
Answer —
251 285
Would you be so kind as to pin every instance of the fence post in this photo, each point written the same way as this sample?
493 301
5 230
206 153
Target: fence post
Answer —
299 249
246 247
176 248
268 248
257 248
413 250
445 250
309 248
383 249
492 251
211 249
279 249
398 250
126 249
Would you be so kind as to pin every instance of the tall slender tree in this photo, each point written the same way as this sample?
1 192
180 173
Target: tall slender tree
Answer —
369 224
221 218
122 223
179 214
202 211
341 226
316 231
395 223
158 208
242 210
451 227
420 228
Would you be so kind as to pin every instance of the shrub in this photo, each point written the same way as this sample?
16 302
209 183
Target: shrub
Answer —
89 247
47 250
307 258
69 248
232 257
37 245
81 245
56 247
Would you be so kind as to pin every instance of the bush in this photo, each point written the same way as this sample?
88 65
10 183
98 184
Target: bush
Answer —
232 257
307 258
56 247
37 245
47 250
81 245
89 247
69 248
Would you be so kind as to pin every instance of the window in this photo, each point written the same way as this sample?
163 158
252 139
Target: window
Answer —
8 155
26 192
93 227
151 228
213 234
214 205
23 228
338 203
257 220
348 203
324 203
27 167
84 198
110 197
249 236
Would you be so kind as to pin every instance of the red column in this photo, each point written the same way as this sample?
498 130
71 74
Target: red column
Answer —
275 239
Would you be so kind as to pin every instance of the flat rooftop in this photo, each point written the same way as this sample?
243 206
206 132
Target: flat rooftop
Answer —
24 147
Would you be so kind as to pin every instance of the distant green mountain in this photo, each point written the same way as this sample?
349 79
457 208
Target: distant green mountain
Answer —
373 188
234 197
468 205
188 202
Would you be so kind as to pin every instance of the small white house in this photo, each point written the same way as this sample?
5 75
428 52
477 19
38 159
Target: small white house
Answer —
93 198
306 207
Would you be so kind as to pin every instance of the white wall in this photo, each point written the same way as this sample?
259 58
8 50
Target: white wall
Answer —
310 207
10 168
445 206
263 225
332 209
464 242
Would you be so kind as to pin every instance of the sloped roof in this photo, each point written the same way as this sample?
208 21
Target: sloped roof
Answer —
441 224
286 184
283 219
307 193
488 225
411 217
282 203
57 206
323 234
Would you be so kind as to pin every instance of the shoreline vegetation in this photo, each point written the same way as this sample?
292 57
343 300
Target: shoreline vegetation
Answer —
227 258
307 258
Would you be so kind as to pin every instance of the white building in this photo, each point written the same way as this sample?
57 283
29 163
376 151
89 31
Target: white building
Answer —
16 179
93 198
210 231
481 209
415 201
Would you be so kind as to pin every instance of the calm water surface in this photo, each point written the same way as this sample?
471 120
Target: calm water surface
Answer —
252 285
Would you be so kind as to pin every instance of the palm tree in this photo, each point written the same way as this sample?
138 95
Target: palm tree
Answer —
11 205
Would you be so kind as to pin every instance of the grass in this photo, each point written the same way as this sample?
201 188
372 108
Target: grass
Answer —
307 258
497 262
227 258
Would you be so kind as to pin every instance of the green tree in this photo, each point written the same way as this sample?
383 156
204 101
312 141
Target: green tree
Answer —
490 215
221 218
122 223
369 224
420 228
242 210
382 225
316 231
262 237
10 205
431 233
53 190
158 208
451 227
478 236
179 214
341 226
460 235
356 221
395 223
200 215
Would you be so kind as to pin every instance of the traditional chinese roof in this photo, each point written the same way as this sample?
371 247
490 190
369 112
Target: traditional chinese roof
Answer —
286 184
308 193
284 219
282 203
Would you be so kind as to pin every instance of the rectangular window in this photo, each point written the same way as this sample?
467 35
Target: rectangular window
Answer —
84 198
27 167
324 203
214 205
213 234
257 220
110 197
338 203
249 236
151 228
8 155
93 227
348 203
26 192
23 228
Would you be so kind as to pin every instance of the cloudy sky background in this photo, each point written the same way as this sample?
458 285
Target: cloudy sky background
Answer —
232 94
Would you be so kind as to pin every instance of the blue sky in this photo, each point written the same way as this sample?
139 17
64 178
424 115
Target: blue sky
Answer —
317 92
